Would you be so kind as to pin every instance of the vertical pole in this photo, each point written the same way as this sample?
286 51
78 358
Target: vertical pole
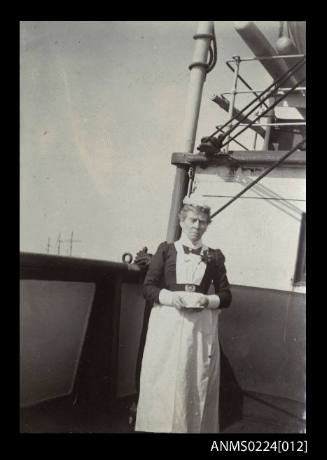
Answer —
255 140
71 243
198 70
59 241
269 118
234 89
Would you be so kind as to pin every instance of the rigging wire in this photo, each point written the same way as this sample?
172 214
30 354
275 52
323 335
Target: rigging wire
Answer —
270 90
277 163
263 113
218 143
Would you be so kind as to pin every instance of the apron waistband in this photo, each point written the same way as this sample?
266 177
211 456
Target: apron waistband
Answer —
185 287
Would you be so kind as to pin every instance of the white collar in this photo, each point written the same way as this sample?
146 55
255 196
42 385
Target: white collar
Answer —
187 242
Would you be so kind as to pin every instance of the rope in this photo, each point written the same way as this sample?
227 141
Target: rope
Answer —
213 52
267 171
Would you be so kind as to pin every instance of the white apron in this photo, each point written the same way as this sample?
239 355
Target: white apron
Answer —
179 383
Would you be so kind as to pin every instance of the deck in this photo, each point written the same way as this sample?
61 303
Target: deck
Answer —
261 414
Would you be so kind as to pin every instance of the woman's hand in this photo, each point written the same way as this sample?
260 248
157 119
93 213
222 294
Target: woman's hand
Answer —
203 301
200 301
181 299
178 300
194 301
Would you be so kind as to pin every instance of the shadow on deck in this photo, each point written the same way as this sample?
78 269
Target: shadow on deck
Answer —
261 414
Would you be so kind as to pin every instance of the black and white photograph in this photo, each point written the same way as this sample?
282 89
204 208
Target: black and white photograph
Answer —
163 228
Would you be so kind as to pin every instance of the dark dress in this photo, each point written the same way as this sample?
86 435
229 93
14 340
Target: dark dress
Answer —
162 274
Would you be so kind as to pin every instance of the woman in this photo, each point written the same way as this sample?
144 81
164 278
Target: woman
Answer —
179 385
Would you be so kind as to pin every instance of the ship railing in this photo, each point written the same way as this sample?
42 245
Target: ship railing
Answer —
277 88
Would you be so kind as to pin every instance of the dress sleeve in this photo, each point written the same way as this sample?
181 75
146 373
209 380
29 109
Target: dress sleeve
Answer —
153 279
220 280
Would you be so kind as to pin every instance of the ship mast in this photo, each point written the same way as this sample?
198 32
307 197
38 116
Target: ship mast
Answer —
198 70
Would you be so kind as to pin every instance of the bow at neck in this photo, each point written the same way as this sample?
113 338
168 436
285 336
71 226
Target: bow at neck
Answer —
189 250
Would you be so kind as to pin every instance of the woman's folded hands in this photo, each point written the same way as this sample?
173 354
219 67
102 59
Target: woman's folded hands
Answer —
192 300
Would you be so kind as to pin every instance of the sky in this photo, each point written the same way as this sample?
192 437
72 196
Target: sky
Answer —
102 106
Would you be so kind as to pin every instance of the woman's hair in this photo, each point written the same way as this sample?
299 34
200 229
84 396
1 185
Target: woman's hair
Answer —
195 208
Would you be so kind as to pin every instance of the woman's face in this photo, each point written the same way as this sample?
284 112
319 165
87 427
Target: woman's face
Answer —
194 225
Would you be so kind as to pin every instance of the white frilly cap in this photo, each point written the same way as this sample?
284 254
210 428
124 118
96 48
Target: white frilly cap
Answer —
196 200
